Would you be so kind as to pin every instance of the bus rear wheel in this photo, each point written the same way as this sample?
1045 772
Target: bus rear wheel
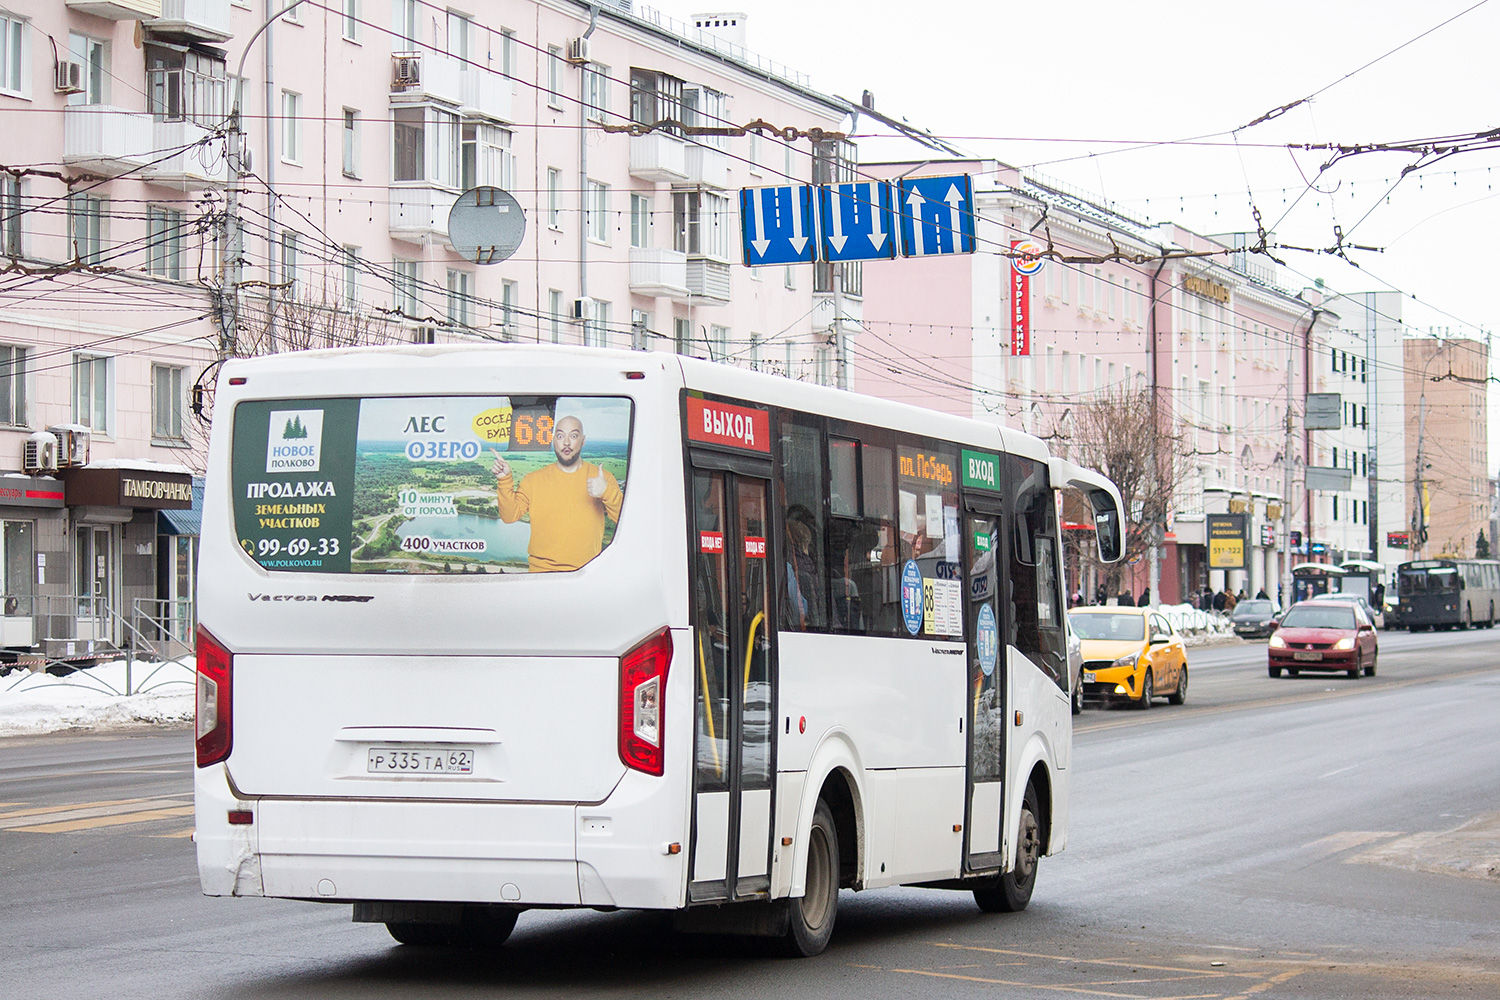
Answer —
1013 889
814 911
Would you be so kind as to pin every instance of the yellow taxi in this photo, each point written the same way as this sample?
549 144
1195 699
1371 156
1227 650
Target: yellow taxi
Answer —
1131 655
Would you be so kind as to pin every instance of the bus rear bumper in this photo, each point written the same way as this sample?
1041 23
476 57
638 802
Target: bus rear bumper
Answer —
615 854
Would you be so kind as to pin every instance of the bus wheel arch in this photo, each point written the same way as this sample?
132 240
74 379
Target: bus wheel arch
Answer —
1041 782
833 776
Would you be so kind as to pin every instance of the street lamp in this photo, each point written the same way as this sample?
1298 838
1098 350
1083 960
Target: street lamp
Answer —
234 141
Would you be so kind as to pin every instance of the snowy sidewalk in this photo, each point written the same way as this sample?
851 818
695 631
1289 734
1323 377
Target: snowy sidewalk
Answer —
95 698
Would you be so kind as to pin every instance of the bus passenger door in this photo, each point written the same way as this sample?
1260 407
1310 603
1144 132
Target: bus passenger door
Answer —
735 670
986 692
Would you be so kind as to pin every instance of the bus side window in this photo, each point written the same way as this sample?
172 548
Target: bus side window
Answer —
1034 595
804 602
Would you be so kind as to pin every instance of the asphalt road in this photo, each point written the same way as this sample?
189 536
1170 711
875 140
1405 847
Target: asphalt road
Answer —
1298 837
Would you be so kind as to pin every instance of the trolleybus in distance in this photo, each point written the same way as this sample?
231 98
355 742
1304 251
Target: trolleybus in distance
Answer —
492 629
1447 593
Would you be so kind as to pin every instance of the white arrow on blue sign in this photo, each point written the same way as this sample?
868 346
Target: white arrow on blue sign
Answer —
858 220
937 215
776 225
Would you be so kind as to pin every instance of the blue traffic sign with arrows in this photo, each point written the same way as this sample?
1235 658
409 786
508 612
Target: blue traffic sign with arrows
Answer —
776 224
937 215
858 221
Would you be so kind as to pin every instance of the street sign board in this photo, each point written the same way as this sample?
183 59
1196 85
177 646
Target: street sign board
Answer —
1226 541
857 221
776 225
1321 477
937 215
1325 411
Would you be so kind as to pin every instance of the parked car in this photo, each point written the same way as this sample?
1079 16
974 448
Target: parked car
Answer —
1376 615
1254 619
1324 634
1130 655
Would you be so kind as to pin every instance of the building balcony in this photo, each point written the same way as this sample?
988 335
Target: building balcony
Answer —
708 279
707 166
119 10
106 140
659 157
656 272
417 76
420 213
200 20
192 168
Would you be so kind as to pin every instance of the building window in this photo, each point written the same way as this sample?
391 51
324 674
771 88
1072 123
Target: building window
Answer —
460 298
164 249
409 21
757 151
94 57
718 342
13 398
293 13
554 197
706 108
640 220
350 261
93 392
185 86
86 227
700 224
655 97
460 36
597 218
640 326
789 278
596 90
507 52
408 301
291 127
554 77
351 142
510 293
14 64
596 327
682 335
487 159
351 19
426 146
166 402
10 216
554 311
289 287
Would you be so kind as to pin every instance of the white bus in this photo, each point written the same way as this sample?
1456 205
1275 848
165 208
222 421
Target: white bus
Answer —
487 629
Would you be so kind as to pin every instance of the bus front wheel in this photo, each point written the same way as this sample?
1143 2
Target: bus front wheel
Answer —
814 911
1013 889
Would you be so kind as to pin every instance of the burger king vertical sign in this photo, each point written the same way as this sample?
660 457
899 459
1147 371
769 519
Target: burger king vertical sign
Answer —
1025 261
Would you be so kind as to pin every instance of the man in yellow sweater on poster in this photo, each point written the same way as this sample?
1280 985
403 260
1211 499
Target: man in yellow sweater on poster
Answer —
568 501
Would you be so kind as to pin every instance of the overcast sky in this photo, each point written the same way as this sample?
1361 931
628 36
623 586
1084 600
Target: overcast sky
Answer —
1070 87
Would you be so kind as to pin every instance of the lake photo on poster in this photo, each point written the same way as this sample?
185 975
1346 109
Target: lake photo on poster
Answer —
504 543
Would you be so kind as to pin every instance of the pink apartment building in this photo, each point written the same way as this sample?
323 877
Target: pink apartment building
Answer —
362 122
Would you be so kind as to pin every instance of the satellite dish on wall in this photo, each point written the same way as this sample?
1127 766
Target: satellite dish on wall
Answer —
486 225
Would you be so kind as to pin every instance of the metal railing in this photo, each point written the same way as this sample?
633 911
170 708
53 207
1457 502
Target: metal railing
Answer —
67 629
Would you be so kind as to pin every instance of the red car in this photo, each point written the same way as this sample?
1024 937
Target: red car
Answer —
1324 635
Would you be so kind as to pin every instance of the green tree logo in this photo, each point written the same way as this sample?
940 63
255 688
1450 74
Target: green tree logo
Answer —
294 429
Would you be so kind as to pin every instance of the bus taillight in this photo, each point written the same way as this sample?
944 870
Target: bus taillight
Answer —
215 715
643 682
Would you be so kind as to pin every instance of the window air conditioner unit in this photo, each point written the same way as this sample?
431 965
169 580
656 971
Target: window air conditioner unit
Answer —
406 71
39 454
72 445
69 78
578 50
583 308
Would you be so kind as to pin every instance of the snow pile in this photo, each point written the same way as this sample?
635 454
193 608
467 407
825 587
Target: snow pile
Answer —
95 698
1192 622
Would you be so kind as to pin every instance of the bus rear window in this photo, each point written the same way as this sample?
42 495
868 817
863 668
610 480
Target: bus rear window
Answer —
435 484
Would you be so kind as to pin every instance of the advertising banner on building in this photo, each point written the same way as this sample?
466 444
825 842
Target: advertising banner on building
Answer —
1022 266
1226 541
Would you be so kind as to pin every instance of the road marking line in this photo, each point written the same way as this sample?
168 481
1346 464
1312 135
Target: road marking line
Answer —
1012 982
39 810
28 817
1339 771
72 826
178 835
1125 962
1347 840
